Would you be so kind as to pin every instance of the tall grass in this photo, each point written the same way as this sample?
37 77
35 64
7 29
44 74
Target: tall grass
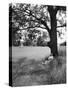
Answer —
27 73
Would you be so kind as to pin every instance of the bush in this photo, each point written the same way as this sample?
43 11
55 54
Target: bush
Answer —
16 43
41 42
27 42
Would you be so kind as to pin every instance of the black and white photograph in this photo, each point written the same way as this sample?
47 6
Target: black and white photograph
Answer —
37 44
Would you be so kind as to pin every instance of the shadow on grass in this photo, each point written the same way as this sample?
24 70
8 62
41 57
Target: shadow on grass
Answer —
38 74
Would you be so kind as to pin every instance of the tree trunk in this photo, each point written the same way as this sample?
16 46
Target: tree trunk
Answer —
53 34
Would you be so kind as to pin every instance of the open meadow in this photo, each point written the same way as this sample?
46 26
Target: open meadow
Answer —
31 71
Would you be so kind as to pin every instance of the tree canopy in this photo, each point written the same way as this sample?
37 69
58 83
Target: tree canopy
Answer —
30 17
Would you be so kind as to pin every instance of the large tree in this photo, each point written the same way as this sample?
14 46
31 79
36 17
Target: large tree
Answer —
27 17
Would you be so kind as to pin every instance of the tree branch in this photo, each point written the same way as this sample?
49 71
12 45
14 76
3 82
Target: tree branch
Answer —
33 27
64 25
61 8
29 12
39 19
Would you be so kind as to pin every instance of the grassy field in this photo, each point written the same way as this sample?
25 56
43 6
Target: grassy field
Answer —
36 53
33 72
